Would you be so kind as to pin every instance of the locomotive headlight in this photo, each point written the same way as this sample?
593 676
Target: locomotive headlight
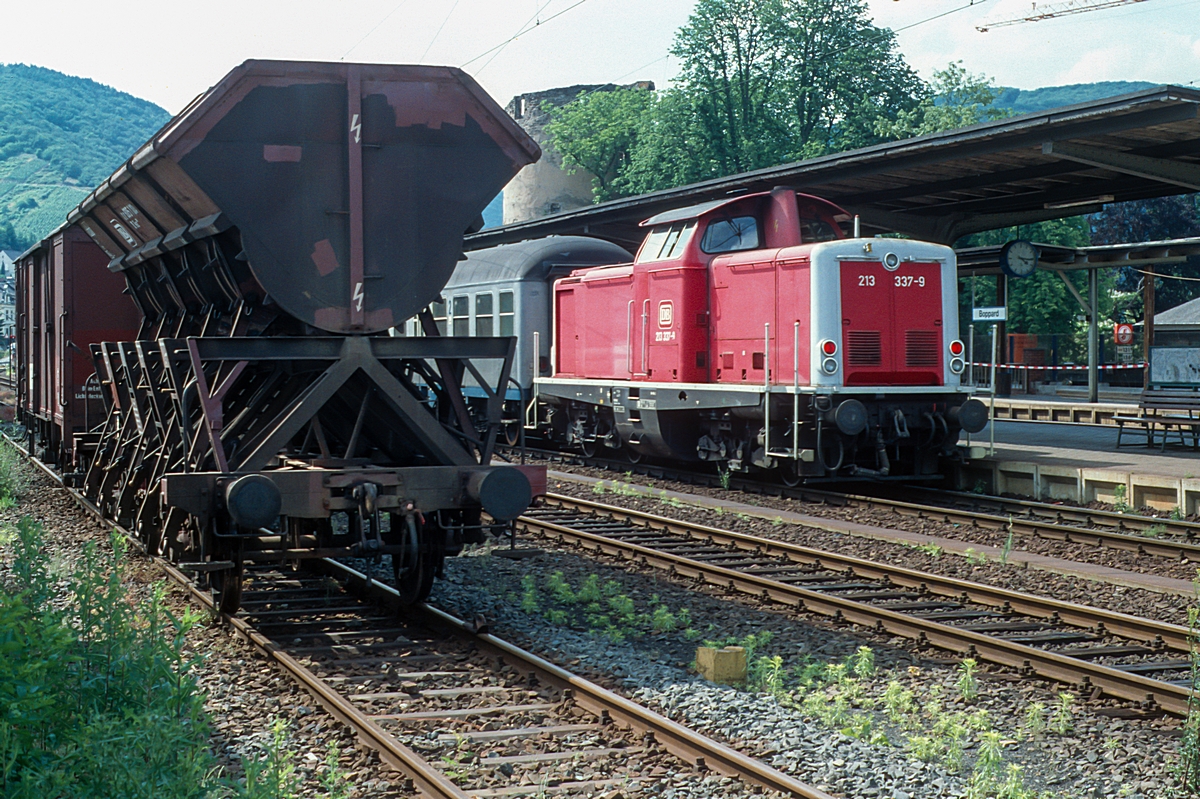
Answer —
957 365
891 261
829 366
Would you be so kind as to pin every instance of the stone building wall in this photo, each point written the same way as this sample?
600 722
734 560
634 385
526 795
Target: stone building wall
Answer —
546 188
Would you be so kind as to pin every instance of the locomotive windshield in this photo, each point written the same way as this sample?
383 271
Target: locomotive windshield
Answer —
667 241
730 235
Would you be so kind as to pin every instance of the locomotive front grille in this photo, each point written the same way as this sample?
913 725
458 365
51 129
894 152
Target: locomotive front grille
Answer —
863 348
921 348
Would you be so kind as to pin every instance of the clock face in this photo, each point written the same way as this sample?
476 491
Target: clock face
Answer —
1019 258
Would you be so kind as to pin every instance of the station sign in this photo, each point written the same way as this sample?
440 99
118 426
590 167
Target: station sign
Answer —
1123 334
998 313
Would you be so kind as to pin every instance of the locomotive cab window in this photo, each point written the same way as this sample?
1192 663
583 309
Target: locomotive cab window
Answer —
506 313
461 310
483 315
814 229
730 235
667 242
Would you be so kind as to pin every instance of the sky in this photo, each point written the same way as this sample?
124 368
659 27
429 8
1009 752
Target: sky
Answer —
168 51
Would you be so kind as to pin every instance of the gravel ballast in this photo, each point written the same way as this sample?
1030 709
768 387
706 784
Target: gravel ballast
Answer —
1099 756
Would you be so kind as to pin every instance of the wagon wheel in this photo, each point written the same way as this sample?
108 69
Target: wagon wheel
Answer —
633 455
413 566
512 433
227 586
588 448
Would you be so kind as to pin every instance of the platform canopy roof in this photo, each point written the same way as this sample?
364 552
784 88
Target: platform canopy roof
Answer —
1024 169
986 260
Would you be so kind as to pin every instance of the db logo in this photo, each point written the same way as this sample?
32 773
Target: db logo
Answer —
1123 334
666 314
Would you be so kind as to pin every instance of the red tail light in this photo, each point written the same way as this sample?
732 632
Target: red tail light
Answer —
829 347
956 347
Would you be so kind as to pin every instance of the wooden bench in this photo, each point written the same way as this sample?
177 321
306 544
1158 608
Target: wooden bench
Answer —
1166 408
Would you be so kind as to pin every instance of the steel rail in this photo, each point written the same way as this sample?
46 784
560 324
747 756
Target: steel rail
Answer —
684 743
1019 520
1117 520
1030 527
1055 666
424 775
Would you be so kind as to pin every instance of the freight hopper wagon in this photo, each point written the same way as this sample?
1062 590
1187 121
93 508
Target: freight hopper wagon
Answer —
270 235
753 333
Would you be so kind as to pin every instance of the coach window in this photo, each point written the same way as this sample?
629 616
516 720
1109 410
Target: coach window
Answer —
483 315
438 309
730 235
506 313
460 311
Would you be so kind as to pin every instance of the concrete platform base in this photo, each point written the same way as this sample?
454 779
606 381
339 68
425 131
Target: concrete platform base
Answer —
1082 464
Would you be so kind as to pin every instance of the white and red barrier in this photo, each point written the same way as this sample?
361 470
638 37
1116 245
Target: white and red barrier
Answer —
1021 366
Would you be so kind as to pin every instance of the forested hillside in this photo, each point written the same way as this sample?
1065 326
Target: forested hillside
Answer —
1025 101
59 137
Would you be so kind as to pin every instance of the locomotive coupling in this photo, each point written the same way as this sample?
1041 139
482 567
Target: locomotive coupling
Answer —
972 415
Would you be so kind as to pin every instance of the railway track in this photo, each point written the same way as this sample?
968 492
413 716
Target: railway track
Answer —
1149 535
1098 652
458 711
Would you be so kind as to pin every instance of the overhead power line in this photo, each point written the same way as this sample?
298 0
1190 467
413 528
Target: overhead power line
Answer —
1052 10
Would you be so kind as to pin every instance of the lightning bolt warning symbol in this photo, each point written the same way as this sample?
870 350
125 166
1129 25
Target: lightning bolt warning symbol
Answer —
356 126
358 296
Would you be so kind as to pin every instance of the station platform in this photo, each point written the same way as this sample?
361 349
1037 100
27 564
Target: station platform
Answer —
1081 463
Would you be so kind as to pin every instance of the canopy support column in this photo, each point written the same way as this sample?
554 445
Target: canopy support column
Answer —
1093 335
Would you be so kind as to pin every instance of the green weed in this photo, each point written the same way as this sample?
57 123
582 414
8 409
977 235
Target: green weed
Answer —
898 702
863 662
967 684
1119 503
99 698
1064 714
274 775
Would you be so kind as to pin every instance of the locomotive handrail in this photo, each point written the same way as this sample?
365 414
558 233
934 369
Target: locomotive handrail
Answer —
645 337
629 339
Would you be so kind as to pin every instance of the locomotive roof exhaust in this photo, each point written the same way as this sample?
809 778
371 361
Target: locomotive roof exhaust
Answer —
350 185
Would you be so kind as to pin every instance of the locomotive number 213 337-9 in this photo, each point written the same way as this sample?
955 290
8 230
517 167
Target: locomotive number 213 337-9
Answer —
902 281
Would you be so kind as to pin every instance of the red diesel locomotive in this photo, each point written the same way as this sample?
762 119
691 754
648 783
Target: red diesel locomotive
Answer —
753 332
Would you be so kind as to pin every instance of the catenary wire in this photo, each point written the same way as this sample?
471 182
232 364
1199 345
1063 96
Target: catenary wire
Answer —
377 26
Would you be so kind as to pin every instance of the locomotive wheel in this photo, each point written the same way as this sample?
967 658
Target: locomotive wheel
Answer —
227 585
789 474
